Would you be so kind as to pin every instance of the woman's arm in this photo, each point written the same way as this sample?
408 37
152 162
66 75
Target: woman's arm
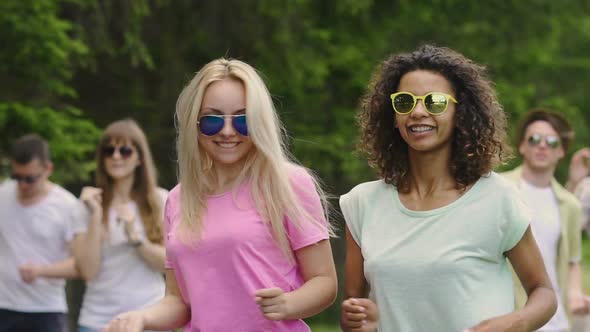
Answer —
87 246
541 304
153 254
358 312
168 314
316 294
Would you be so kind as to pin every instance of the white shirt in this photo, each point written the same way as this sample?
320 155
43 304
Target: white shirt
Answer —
124 282
546 229
36 234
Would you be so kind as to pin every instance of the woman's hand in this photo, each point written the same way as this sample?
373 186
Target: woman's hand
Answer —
359 315
126 216
92 198
497 324
132 321
273 302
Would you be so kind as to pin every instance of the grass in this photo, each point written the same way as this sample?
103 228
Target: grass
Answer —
324 328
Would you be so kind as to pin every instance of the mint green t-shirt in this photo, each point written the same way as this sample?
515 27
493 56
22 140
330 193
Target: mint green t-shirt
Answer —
439 270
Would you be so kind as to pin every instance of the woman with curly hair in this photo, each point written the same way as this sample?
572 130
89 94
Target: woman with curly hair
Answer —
427 243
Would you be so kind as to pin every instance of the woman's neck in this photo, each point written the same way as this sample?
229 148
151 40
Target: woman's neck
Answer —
223 180
430 173
122 190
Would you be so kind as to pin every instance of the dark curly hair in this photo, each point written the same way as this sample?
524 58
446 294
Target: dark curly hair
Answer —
479 139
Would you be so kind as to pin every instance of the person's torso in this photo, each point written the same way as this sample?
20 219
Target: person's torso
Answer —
437 270
124 282
546 229
38 234
236 256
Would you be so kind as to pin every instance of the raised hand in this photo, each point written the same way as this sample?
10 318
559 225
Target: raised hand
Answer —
92 198
579 167
127 216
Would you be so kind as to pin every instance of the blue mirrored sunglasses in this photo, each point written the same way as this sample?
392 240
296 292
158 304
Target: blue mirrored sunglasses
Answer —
212 124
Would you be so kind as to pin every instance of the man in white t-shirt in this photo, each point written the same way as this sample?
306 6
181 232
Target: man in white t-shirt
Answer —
35 235
544 138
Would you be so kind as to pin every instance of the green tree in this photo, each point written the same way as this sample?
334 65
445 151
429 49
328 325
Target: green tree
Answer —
37 62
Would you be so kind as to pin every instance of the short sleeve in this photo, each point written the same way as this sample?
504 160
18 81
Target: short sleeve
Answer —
171 213
163 196
71 219
516 218
305 232
80 217
350 210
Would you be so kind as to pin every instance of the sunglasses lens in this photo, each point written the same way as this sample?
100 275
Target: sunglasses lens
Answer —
436 103
535 140
211 125
240 124
552 141
125 151
403 103
29 179
108 151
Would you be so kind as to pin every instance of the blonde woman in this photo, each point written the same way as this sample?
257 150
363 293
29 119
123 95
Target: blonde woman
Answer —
119 244
246 234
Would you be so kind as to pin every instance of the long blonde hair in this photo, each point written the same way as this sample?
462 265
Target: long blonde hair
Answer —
143 191
267 166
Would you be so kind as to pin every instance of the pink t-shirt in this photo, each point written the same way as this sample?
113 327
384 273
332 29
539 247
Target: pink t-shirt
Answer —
236 256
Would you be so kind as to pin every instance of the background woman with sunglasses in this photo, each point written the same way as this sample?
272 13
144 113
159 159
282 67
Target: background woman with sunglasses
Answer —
119 244
427 244
247 238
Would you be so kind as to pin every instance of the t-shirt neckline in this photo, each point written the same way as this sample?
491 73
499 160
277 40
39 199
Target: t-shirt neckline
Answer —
439 210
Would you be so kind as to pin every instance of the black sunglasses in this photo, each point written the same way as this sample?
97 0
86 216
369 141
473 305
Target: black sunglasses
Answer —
125 151
29 179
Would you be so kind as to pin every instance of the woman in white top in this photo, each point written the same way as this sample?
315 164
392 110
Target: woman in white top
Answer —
427 244
119 244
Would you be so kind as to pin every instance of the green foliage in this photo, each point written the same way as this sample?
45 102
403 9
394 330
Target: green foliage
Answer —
64 62
72 138
38 52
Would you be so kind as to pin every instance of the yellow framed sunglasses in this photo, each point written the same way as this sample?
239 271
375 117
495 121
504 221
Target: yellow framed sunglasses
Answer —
435 103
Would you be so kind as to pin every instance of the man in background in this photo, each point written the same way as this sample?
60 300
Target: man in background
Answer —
544 138
35 233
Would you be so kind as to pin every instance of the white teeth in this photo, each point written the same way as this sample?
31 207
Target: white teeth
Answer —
227 145
419 129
